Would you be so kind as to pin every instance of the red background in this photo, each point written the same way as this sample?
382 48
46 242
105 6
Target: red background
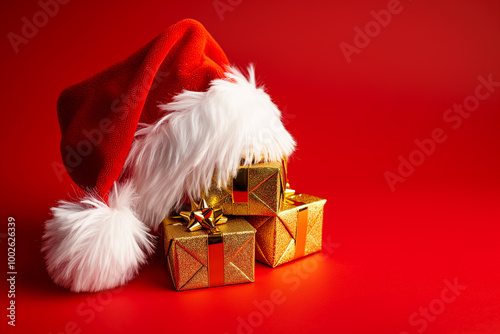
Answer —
392 249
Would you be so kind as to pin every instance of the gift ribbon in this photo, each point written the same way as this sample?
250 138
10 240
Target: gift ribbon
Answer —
203 217
284 181
302 218
240 186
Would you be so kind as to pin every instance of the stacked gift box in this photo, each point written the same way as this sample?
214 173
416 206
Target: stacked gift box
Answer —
255 217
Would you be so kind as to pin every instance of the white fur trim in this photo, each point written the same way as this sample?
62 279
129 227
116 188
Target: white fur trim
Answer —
89 246
202 134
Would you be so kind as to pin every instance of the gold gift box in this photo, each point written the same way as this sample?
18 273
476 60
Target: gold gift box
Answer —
257 190
295 232
199 259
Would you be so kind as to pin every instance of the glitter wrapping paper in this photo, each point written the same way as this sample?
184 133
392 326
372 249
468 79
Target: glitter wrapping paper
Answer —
188 258
257 190
295 232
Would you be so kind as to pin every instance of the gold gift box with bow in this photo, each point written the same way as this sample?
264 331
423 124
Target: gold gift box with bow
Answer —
257 190
295 232
201 258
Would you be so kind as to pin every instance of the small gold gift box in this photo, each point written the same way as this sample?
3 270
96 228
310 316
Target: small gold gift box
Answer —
296 231
257 190
204 258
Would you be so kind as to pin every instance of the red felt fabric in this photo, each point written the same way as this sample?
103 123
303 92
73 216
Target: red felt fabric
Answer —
99 116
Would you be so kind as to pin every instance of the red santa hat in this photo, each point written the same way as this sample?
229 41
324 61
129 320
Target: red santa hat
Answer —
141 136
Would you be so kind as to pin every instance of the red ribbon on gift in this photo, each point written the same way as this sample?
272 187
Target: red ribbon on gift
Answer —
302 221
203 217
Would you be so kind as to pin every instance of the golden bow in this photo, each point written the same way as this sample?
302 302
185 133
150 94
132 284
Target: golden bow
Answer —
202 216
289 193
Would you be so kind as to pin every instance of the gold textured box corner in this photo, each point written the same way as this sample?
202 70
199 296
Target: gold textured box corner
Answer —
265 184
295 232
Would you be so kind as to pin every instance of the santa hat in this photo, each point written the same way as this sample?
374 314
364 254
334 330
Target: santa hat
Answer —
142 135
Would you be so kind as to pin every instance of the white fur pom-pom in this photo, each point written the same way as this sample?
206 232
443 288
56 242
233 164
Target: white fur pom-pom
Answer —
90 246
204 133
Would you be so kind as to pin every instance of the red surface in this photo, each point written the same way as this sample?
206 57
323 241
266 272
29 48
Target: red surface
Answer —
389 253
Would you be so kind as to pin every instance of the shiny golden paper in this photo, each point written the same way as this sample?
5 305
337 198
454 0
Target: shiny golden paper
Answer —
276 236
187 255
265 186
